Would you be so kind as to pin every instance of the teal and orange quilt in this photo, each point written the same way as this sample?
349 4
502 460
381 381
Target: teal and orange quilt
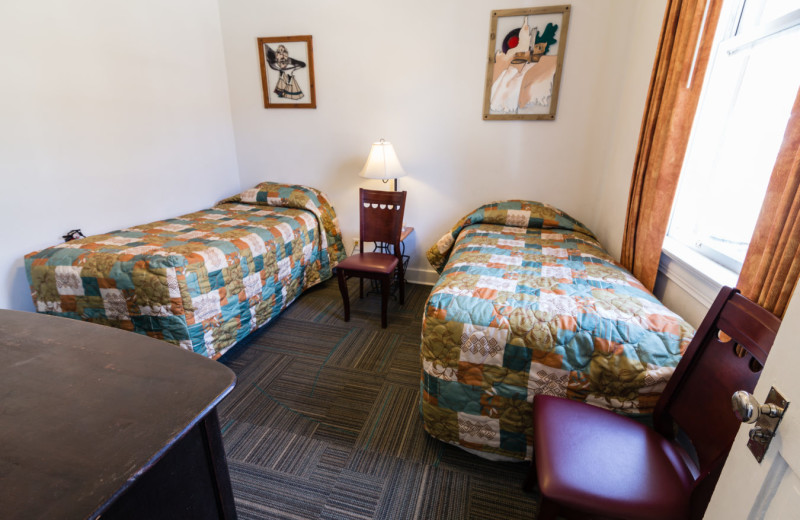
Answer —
202 281
529 303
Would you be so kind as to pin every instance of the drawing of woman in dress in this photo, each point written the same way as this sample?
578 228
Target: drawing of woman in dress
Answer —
287 86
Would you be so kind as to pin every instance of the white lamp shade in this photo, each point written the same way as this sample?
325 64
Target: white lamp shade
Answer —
382 162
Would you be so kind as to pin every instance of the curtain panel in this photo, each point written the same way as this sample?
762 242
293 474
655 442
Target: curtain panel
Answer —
677 78
771 267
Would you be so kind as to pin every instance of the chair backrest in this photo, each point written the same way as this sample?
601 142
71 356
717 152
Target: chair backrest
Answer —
726 354
381 215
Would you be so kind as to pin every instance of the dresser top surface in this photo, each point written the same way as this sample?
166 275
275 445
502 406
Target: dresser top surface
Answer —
85 408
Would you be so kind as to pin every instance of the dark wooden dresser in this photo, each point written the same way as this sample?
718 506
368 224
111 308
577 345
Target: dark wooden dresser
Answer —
96 421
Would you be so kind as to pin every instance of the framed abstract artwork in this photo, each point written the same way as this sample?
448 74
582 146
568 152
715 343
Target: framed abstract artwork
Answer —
526 54
287 72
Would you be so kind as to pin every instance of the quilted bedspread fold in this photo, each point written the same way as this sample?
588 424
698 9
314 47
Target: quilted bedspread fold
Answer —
512 213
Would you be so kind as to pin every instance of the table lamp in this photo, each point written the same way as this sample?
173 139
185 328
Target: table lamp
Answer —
382 163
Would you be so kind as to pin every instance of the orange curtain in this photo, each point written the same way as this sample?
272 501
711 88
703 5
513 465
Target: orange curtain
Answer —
771 267
681 60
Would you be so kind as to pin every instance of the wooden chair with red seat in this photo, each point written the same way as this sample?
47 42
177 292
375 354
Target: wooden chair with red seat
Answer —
591 462
381 214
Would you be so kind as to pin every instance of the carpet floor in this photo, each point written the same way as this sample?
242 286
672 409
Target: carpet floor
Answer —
324 422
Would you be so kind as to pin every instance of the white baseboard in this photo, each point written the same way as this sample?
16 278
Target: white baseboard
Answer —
422 276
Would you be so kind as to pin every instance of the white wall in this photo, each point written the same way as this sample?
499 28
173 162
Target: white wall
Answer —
609 179
680 301
117 113
112 113
413 72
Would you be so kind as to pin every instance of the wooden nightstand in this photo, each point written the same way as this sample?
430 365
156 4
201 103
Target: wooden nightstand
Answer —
407 230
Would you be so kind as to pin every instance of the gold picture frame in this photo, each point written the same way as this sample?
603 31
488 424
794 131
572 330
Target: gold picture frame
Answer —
526 55
287 72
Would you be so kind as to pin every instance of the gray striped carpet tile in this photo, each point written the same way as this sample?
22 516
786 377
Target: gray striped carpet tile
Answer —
324 422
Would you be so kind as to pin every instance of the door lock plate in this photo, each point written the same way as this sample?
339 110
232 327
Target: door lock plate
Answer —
766 425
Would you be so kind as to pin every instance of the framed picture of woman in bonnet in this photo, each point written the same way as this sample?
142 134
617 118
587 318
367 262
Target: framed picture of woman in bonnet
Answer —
287 72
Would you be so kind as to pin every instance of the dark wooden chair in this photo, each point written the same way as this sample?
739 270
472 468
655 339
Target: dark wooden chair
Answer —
381 214
590 462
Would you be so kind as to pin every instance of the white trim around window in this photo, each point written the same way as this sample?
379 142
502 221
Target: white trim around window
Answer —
700 277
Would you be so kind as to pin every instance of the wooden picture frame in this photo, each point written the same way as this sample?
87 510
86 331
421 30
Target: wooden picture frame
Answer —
287 72
526 55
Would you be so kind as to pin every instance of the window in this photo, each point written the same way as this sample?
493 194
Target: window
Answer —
749 90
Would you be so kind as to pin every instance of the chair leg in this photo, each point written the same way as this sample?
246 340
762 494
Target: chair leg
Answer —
386 282
530 478
548 510
360 287
345 295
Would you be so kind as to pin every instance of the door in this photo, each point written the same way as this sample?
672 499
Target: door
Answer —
770 490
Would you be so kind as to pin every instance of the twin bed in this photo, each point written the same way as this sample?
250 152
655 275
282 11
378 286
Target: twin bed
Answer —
202 281
528 302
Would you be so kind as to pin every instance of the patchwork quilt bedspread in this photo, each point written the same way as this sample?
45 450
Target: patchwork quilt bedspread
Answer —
529 302
203 280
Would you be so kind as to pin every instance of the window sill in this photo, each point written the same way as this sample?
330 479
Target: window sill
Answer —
700 277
